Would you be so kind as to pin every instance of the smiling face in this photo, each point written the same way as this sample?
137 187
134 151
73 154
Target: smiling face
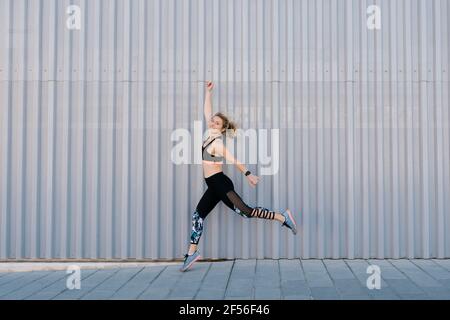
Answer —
216 123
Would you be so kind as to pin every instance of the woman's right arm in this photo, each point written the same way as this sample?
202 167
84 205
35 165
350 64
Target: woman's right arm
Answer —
208 101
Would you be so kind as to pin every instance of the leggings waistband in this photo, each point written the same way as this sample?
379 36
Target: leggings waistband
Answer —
215 175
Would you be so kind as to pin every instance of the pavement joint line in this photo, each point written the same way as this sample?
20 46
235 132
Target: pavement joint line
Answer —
354 274
151 282
371 293
126 282
14 278
279 279
43 288
407 277
174 285
429 274
66 289
340 294
104 280
93 288
37 293
228 281
24 285
438 262
254 278
240 277
304 276
201 281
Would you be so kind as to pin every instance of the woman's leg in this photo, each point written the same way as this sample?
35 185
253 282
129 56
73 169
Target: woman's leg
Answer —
206 204
235 203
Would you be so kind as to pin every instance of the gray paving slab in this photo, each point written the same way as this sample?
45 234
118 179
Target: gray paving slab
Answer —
39 285
298 297
239 298
388 271
12 276
445 283
417 275
215 281
351 287
267 274
316 274
404 287
444 263
407 296
242 268
263 279
338 269
267 293
87 285
189 284
161 286
384 293
58 287
267 280
295 288
136 286
437 292
242 278
210 294
359 269
111 285
240 287
324 293
432 268
21 282
291 269
356 297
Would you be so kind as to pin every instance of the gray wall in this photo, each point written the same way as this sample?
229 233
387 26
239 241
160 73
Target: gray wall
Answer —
86 118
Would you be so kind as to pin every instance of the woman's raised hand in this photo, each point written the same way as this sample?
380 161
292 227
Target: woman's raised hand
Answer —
209 86
252 180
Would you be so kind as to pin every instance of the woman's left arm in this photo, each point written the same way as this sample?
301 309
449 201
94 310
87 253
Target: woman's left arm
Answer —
230 159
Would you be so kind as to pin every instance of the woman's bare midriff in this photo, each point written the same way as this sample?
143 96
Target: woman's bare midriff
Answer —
210 168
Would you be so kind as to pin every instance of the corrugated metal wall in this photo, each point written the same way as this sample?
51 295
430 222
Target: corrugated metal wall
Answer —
87 115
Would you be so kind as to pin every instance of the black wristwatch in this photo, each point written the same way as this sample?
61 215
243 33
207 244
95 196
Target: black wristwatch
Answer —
247 173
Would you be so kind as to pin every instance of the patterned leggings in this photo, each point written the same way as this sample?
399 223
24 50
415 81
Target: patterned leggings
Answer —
221 188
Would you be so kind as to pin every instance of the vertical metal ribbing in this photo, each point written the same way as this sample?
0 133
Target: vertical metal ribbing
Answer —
72 185
5 126
395 47
424 133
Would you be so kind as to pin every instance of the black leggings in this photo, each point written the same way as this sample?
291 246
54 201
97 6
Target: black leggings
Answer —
221 188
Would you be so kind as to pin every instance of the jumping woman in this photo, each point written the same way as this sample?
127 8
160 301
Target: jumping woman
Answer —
220 187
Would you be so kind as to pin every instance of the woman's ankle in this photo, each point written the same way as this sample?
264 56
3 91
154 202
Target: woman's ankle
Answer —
191 250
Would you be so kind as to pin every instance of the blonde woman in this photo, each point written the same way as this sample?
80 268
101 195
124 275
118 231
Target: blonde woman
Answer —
220 187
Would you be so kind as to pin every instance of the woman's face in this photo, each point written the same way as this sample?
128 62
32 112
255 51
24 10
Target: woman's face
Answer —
216 123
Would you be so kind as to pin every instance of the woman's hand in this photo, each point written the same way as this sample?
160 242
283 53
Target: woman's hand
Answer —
209 86
252 180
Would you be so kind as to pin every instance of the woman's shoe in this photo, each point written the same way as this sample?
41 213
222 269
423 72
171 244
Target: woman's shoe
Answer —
189 260
289 221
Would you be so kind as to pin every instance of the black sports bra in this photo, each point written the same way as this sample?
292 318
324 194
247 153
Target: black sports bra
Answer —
209 157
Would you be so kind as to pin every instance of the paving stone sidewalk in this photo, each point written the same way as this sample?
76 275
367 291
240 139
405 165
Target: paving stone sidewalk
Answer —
240 280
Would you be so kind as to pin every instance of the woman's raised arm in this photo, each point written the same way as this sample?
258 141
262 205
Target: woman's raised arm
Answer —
208 101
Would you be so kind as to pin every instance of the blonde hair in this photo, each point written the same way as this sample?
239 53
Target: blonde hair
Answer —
228 125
